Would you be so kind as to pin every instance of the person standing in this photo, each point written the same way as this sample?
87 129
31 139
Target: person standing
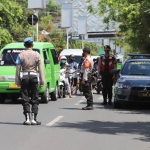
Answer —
27 62
106 63
87 78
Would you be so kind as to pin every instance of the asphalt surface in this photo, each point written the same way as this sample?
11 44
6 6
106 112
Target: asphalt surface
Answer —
65 126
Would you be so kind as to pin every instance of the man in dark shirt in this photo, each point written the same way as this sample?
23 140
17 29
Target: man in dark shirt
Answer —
106 63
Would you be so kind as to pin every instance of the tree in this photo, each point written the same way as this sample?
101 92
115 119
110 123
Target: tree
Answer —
13 24
132 20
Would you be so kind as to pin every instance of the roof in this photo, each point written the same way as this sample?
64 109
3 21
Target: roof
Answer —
139 56
21 45
76 52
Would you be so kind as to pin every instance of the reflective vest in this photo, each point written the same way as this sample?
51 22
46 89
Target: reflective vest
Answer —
111 63
86 63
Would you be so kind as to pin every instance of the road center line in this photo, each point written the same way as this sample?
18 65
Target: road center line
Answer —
79 102
54 121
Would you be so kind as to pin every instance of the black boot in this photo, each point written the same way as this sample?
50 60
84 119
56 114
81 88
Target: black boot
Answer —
88 107
27 117
110 102
104 102
34 121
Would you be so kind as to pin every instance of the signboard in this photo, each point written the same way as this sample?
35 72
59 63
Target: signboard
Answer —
39 4
101 51
66 15
82 25
76 37
119 65
32 19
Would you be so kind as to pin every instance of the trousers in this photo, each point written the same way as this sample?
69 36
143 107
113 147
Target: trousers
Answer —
88 92
67 85
107 83
29 88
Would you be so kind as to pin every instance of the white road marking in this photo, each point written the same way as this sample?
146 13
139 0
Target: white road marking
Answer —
79 102
54 121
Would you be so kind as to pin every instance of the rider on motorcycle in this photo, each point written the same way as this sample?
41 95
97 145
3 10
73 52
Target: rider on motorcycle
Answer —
64 65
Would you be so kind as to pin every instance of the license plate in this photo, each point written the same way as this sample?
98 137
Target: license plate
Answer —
144 93
13 85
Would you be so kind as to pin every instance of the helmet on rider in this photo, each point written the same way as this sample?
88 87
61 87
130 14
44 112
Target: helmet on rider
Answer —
62 59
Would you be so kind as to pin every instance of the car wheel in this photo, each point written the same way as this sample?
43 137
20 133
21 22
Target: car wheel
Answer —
2 98
14 98
45 96
60 91
54 94
117 105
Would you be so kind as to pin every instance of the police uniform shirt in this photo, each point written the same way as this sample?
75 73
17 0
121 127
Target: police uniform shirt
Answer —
87 67
28 61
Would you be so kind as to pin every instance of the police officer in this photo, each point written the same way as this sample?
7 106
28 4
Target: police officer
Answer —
87 78
106 63
27 62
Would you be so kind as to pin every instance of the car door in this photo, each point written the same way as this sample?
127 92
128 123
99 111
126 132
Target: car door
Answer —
56 66
47 67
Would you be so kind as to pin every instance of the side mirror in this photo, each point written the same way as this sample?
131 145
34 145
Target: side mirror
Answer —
114 71
46 61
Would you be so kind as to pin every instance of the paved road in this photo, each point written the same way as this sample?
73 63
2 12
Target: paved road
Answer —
66 127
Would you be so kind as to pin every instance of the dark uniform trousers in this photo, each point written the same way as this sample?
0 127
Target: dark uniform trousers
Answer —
107 83
87 91
29 87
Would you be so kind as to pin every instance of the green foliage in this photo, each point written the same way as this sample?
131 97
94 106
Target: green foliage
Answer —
133 20
14 26
12 22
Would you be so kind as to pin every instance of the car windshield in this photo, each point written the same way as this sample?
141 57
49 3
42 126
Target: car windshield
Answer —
9 56
77 59
136 68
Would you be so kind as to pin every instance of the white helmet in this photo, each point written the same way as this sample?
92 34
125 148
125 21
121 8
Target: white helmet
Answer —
62 57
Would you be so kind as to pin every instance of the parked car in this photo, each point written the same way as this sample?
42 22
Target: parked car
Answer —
51 67
133 84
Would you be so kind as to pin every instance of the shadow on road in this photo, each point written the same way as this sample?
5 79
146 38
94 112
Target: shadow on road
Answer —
11 123
72 108
113 128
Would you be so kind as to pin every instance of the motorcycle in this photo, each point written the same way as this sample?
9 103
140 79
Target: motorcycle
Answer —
62 86
97 83
73 74
99 86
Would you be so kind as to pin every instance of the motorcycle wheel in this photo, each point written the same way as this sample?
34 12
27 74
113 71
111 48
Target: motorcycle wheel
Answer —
60 91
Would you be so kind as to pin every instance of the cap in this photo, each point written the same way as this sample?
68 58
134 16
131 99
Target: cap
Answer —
28 39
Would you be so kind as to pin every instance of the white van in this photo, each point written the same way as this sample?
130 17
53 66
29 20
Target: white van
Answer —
76 52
